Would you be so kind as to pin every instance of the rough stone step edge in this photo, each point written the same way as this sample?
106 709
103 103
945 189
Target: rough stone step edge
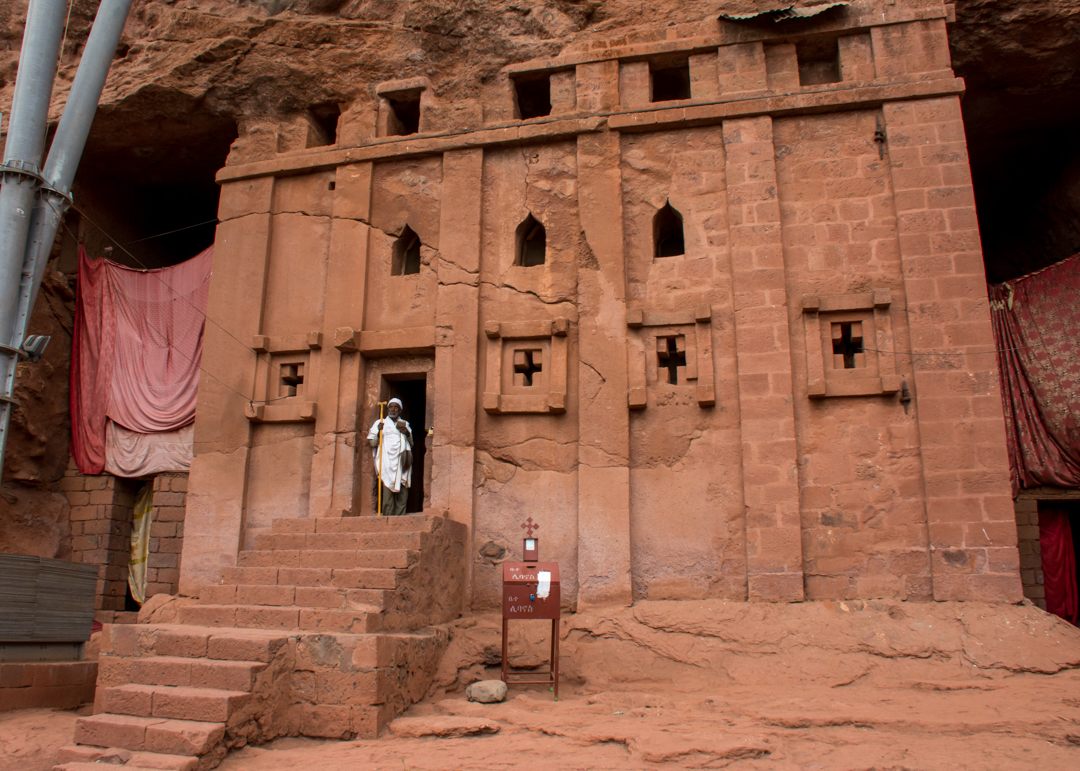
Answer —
408 556
271 636
82 753
412 539
408 522
95 766
158 662
203 737
221 594
308 620
168 702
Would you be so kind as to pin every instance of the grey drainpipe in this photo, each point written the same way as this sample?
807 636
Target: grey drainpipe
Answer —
33 241
19 173
66 150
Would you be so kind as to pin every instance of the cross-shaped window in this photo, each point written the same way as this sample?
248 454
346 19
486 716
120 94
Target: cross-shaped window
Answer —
292 378
847 345
669 357
526 364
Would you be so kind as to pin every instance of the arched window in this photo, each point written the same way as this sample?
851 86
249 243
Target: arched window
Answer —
531 243
406 258
668 232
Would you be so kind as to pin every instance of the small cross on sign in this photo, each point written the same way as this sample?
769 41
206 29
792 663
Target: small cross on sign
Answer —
528 526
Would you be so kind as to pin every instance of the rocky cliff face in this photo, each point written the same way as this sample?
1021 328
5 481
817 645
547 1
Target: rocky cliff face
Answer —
1022 67
197 79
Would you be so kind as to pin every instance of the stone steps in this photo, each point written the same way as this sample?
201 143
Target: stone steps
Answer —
392 559
344 578
361 620
325 629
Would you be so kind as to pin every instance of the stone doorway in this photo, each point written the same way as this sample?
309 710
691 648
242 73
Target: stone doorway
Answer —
1031 506
412 390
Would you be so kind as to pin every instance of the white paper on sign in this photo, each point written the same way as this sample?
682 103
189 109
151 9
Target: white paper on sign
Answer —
543 586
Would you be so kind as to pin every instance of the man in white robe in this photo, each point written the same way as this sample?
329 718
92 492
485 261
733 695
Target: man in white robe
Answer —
390 439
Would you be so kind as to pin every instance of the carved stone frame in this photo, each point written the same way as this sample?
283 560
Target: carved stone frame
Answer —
272 352
879 375
696 327
551 337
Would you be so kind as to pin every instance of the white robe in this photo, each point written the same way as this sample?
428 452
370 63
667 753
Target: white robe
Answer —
394 445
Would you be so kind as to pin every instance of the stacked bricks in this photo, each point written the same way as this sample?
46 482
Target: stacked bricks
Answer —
166 534
856 58
101 509
101 515
969 504
597 86
178 696
917 48
55 685
1027 533
741 68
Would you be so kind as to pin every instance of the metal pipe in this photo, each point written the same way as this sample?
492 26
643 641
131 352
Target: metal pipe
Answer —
64 155
67 149
19 177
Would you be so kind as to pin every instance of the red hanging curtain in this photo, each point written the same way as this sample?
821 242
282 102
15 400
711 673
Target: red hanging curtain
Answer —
93 352
1036 321
1059 563
135 355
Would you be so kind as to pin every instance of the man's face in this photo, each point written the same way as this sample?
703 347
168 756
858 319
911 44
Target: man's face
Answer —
393 411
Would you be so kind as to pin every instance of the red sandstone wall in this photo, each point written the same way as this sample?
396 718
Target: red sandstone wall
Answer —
687 522
860 480
527 466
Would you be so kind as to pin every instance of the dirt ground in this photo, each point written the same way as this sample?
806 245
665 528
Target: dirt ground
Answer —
837 686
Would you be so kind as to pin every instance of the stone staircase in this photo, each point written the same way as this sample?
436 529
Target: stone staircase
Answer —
329 628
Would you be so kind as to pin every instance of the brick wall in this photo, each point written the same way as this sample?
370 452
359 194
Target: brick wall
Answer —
166 534
1027 533
101 512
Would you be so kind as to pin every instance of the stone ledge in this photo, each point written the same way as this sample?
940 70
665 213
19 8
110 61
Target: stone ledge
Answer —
687 114
794 103
731 34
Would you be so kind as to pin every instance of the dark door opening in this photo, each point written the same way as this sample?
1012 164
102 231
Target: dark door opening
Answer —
412 391
1059 546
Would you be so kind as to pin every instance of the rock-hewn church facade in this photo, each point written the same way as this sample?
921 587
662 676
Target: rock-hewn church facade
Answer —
706 301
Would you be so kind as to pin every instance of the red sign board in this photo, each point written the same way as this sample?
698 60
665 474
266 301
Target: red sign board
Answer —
524 585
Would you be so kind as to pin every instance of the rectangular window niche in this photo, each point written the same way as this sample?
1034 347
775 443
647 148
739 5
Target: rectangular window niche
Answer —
286 379
526 366
849 345
670 351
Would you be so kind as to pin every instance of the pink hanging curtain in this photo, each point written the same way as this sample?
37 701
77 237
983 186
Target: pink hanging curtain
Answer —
1036 322
1059 563
135 358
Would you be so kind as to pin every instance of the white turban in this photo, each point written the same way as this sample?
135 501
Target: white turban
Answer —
395 401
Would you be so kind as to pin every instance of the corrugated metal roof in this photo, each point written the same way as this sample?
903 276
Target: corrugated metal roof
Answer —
778 10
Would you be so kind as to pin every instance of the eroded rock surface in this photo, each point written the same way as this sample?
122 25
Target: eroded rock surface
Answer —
824 686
